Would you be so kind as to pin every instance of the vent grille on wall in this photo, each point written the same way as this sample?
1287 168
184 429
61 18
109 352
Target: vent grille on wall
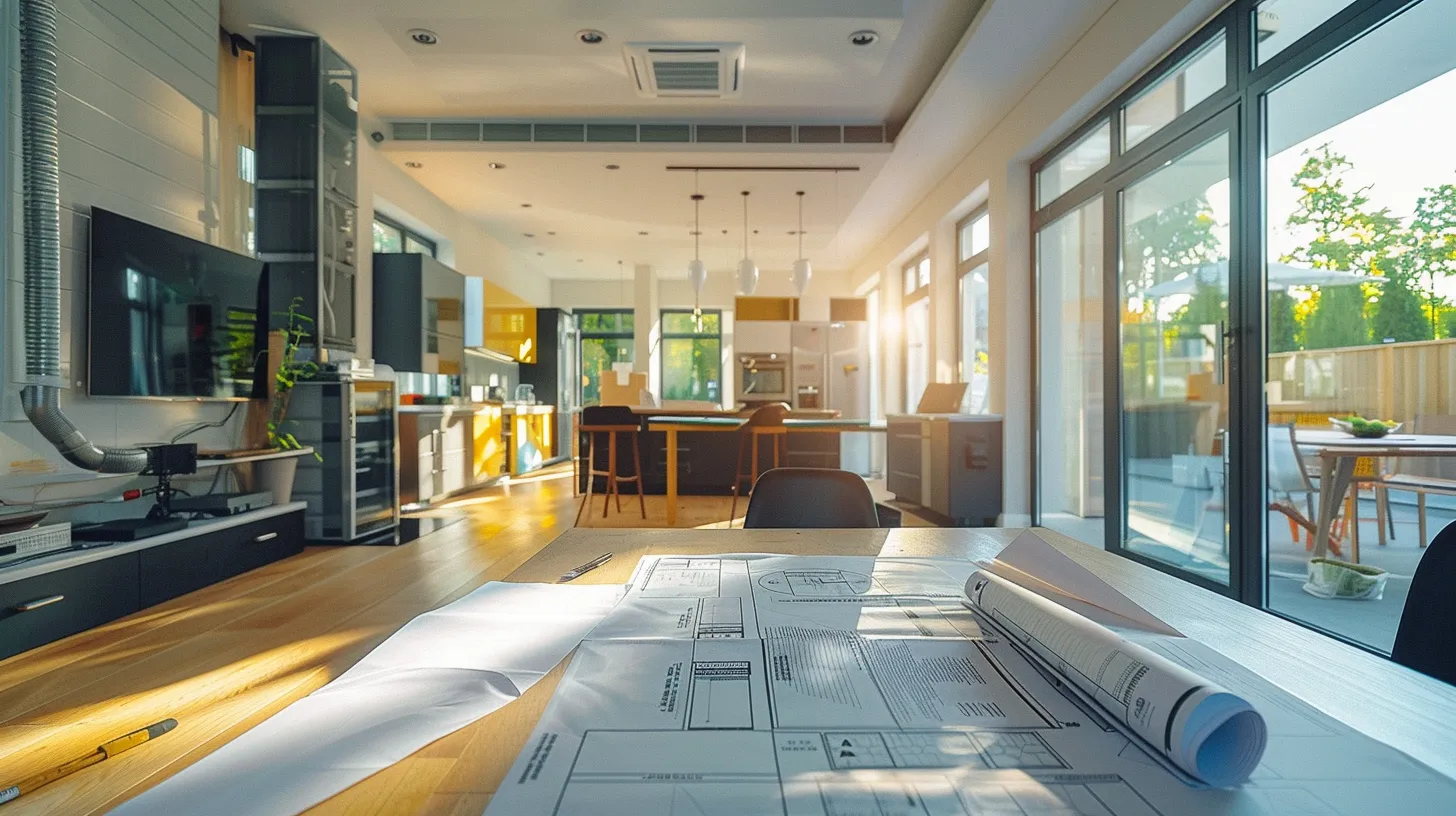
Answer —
712 70
654 133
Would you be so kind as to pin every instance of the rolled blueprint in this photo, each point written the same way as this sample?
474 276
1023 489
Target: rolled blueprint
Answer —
1211 733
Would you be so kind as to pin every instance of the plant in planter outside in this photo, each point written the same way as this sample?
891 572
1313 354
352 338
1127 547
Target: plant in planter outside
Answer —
291 371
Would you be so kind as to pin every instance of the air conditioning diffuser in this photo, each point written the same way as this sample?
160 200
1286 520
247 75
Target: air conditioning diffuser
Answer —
704 70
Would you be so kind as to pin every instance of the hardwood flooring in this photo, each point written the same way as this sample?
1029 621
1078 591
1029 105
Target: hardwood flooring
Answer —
224 658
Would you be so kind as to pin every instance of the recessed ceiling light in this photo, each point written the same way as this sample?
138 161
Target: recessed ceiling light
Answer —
526 206
414 165
542 254
642 232
590 36
529 234
579 260
496 166
424 36
864 37
550 232
614 167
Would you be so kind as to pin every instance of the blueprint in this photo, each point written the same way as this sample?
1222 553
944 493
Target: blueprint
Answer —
854 686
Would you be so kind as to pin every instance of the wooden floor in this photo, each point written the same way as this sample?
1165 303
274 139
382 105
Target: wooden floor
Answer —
224 658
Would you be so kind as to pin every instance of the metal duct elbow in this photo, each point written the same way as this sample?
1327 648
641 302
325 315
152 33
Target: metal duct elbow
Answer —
40 162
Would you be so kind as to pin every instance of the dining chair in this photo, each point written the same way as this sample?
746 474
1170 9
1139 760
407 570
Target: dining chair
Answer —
810 498
766 421
1423 476
1426 640
604 424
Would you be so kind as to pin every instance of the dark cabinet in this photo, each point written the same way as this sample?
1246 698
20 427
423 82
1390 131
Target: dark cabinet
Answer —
53 605
949 464
183 566
49 607
419 314
307 181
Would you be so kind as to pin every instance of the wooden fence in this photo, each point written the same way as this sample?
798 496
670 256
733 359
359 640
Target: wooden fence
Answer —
1398 381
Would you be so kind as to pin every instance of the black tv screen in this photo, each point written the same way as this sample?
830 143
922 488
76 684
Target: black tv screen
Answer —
170 316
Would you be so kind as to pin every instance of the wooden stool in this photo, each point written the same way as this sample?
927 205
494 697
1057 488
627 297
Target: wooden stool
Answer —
766 421
609 421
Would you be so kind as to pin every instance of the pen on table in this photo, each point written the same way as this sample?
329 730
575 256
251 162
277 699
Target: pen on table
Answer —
585 568
103 752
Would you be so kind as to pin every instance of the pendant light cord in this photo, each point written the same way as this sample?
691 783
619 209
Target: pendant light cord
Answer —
801 224
745 223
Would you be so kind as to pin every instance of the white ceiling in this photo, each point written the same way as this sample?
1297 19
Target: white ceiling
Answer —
521 58
597 213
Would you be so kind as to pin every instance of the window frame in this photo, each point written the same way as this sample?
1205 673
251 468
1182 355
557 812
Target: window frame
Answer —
910 298
1247 82
667 335
406 235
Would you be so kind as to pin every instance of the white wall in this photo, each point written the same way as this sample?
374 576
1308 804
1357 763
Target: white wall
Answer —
463 243
138 82
1124 41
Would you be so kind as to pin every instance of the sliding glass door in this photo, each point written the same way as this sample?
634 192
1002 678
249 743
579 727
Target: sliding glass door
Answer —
1172 308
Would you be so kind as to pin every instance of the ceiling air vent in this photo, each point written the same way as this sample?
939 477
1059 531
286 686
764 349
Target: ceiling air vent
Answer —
706 70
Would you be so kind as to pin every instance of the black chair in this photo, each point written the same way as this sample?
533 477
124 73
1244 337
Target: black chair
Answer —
605 423
810 498
766 421
1426 639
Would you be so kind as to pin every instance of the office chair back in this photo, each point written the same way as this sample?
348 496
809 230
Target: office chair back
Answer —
1426 639
810 498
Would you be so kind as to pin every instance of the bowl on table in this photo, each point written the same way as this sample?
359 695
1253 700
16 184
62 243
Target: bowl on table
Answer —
1370 430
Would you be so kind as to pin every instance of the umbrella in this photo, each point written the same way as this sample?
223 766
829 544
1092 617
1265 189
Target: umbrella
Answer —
1281 276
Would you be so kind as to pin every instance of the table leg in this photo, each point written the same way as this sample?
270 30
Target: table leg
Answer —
1336 474
672 477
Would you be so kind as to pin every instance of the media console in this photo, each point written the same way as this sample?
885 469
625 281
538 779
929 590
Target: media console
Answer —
57 596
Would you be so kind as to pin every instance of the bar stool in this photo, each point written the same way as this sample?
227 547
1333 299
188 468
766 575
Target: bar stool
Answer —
766 421
598 421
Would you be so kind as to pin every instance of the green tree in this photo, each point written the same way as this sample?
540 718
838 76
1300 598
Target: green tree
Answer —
1283 325
1431 243
1400 316
1344 236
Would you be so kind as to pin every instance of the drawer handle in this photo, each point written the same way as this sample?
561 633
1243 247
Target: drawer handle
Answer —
265 537
31 606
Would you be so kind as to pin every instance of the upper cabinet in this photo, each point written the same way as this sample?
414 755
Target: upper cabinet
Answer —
419 314
499 321
307 107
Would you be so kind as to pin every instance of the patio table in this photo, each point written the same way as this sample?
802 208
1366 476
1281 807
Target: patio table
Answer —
1338 451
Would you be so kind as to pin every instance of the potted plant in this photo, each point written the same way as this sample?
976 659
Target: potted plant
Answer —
276 475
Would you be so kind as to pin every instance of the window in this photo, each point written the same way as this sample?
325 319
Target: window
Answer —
1189 83
1069 447
692 355
1338 288
1075 164
391 236
1279 23
606 338
1361 189
917 329
974 246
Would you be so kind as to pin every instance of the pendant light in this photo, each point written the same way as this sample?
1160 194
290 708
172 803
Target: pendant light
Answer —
747 269
802 271
697 271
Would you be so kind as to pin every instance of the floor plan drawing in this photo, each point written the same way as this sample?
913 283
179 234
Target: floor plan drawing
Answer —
837 686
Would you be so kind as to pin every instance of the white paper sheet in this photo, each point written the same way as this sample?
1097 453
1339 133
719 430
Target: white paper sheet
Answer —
826 686
437 674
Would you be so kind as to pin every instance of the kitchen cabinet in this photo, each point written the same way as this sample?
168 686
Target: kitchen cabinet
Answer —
428 338
949 464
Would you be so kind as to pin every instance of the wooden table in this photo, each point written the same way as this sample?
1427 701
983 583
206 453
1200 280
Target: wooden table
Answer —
1410 711
672 425
1338 452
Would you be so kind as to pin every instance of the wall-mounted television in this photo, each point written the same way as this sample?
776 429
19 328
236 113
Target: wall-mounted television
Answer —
171 317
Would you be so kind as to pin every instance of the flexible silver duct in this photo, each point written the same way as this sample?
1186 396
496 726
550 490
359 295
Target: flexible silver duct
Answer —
40 145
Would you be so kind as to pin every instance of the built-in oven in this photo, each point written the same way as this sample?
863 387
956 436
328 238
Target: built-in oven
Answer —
764 378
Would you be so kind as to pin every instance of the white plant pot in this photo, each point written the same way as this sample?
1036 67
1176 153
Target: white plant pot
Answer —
276 477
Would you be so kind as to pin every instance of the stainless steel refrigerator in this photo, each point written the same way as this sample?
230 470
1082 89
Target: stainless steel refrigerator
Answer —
831 370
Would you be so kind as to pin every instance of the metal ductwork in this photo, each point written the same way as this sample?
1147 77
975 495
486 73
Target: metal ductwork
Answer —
40 145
